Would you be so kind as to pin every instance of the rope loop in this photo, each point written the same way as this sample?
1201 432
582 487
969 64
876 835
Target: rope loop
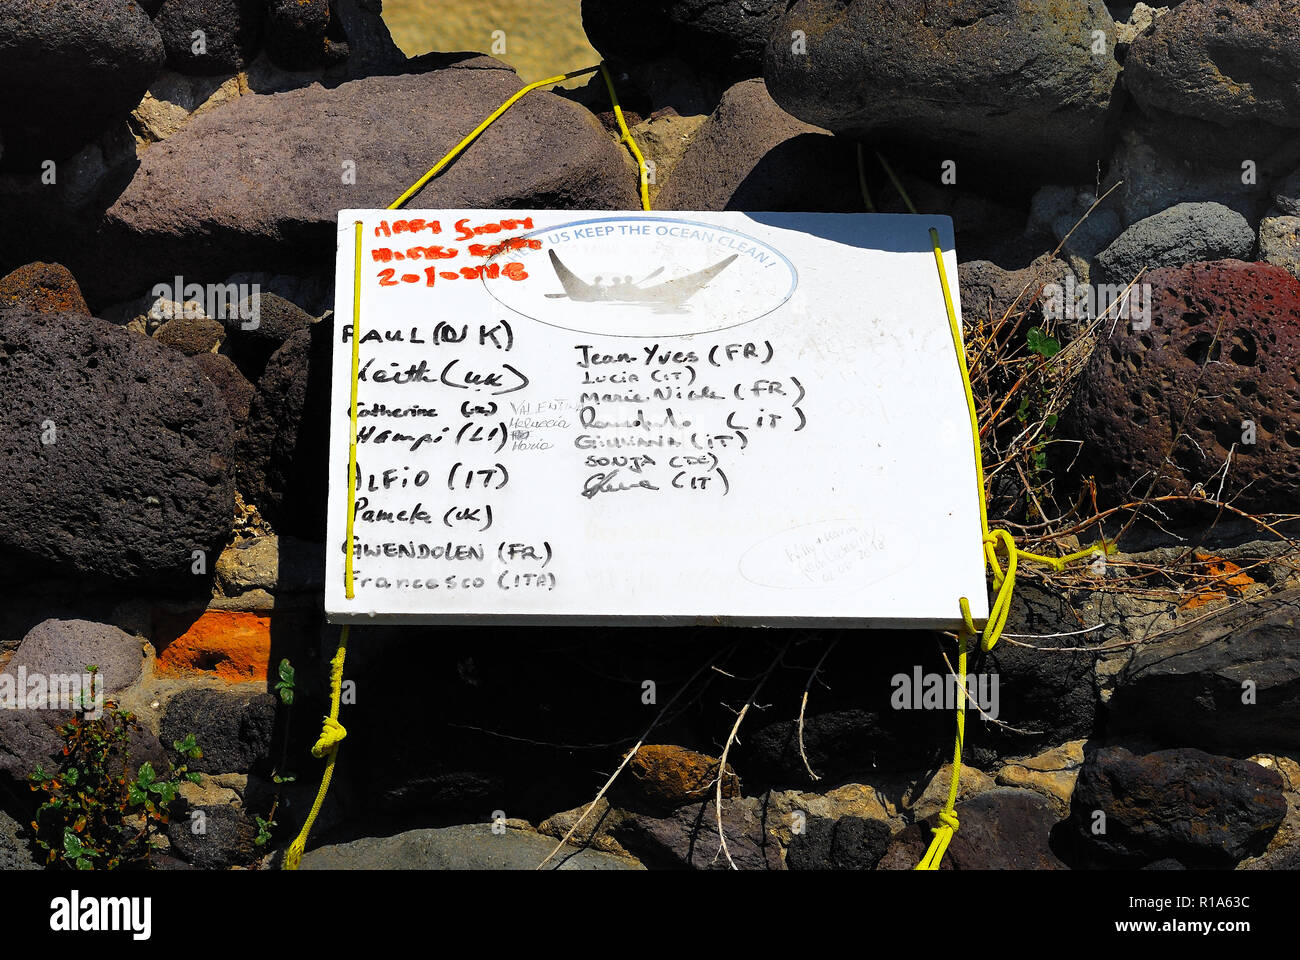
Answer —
331 735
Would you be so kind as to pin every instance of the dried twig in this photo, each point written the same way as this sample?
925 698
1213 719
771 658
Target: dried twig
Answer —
731 738
632 753
803 705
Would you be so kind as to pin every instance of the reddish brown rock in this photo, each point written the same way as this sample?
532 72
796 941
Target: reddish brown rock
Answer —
670 776
44 288
1219 360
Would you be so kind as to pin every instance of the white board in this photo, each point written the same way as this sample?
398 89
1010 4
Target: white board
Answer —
652 418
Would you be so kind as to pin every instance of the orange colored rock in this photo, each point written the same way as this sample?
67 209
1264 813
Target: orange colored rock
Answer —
671 776
232 644
45 287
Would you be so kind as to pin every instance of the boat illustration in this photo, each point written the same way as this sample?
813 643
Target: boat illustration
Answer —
668 294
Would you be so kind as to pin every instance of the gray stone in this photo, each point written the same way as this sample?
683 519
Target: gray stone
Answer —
269 199
1188 688
1286 196
230 32
15 851
134 477
752 155
994 79
286 438
468 847
30 738
271 321
1182 234
988 292
1065 215
68 647
69 69
233 729
719 38
1154 180
296 34
225 837
371 48
1223 61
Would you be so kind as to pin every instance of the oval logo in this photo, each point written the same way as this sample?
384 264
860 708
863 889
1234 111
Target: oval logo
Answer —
625 276
822 554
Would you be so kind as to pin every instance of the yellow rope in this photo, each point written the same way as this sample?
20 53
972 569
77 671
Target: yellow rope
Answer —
627 138
518 95
333 732
327 746
898 185
1003 580
947 819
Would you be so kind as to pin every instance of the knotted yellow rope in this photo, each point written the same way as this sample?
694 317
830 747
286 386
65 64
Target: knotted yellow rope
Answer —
333 732
1004 581
327 746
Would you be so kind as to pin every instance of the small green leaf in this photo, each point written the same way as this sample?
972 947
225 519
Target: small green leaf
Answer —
165 791
1041 344
145 777
72 844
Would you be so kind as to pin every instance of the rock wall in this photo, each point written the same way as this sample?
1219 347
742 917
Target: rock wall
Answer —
164 513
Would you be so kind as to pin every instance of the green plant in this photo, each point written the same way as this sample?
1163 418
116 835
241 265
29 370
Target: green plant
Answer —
263 831
95 814
1035 413
1042 344
285 687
